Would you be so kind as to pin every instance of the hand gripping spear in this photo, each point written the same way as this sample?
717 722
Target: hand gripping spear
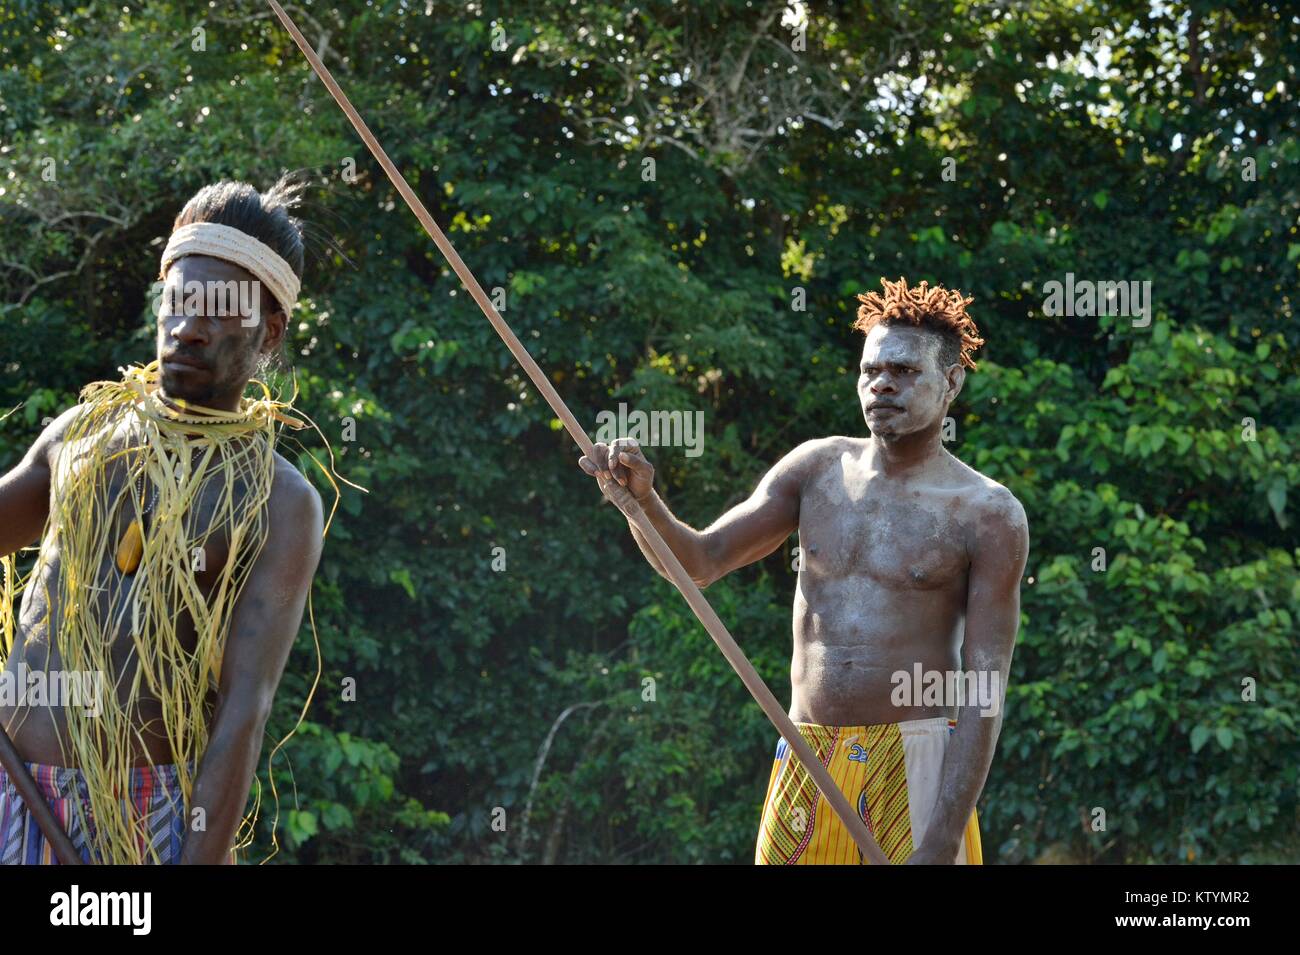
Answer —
618 494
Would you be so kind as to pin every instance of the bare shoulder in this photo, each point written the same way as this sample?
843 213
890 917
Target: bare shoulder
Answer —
59 426
294 497
72 426
820 452
996 504
800 458
808 459
998 519
54 432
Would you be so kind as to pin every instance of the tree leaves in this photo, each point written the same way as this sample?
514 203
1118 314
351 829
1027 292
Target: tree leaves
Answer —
1164 452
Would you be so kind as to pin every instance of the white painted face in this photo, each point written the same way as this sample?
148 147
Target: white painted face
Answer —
901 386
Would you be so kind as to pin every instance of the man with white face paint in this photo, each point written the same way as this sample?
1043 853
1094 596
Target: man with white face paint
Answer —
907 558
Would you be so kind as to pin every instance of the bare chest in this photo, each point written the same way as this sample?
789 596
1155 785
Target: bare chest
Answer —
906 537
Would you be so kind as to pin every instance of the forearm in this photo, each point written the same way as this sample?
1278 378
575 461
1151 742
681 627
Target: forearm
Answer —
686 542
221 790
992 621
965 770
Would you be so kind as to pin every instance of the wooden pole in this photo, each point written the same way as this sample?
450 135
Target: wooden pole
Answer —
36 804
626 502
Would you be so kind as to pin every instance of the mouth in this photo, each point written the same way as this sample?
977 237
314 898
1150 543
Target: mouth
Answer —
883 408
183 363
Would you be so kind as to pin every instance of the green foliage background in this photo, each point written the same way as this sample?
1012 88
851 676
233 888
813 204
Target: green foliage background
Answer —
1106 139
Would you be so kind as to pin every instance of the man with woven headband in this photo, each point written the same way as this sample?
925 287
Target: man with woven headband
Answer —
177 549
908 561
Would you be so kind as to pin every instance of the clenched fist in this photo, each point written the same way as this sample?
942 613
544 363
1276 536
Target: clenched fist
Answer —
622 462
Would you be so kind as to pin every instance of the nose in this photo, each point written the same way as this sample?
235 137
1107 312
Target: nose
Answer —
883 384
188 329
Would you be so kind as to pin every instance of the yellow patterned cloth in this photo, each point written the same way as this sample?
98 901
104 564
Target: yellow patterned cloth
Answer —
889 772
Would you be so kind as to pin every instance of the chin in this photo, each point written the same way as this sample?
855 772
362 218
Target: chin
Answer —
889 430
174 386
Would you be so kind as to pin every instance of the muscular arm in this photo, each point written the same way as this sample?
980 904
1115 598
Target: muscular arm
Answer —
25 490
992 619
748 532
263 626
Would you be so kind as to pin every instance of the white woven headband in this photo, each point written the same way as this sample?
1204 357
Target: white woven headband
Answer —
232 245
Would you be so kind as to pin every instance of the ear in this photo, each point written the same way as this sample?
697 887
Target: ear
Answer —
276 324
956 378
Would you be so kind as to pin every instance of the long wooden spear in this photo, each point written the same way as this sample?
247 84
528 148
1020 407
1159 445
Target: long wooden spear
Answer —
619 494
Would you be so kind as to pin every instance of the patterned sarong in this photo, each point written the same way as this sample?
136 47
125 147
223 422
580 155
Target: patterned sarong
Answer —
154 803
890 773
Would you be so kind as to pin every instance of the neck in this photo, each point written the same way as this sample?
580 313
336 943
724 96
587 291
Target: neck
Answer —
197 412
227 402
905 454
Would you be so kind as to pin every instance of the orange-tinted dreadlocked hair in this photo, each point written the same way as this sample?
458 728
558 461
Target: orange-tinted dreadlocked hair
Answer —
922 306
